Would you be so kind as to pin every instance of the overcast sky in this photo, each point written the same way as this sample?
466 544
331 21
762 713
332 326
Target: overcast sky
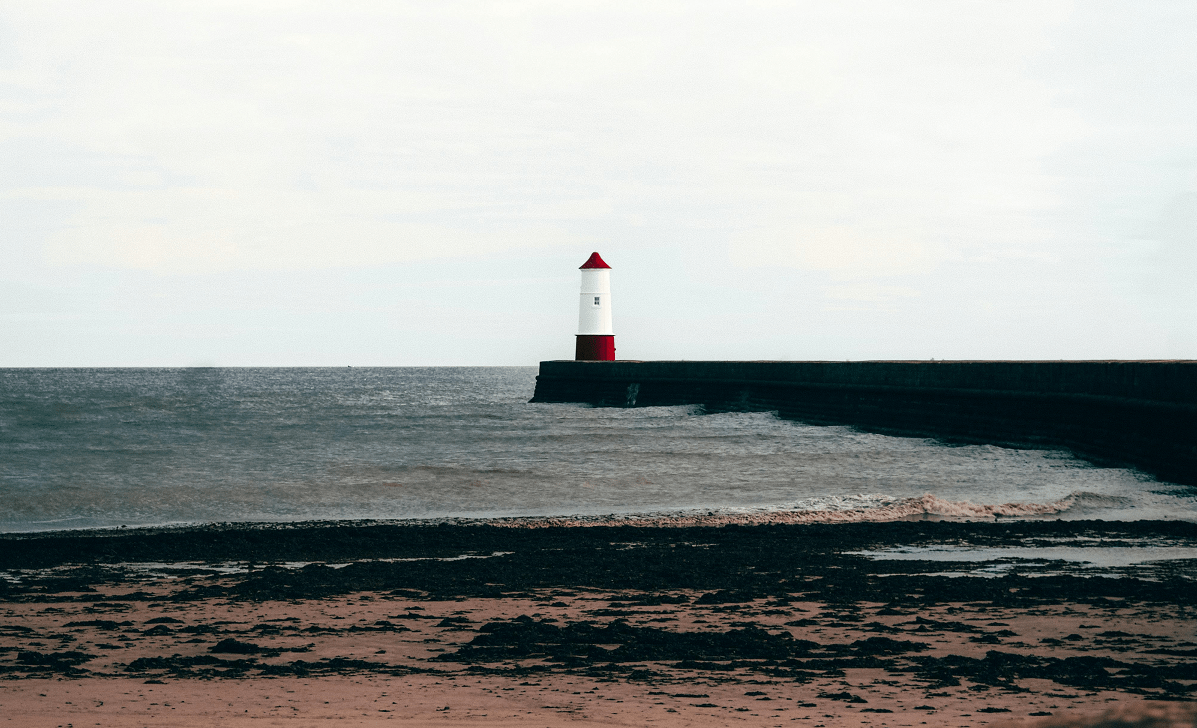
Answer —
289 183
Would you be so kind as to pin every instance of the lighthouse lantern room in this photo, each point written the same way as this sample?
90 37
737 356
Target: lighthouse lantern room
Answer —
596 340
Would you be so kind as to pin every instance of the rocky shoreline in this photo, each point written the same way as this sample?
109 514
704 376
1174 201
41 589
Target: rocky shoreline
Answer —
764 624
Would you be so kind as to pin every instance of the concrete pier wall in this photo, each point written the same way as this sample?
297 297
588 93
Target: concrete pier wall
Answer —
1137 413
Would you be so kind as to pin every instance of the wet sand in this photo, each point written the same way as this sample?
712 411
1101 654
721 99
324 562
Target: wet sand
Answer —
457 625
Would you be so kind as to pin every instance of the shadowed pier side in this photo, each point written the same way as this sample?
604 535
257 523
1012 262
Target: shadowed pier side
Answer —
1137 413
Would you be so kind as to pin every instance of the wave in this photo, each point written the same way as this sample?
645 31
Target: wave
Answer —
841 509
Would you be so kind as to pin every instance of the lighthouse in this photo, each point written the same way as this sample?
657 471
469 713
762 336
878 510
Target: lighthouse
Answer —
596 340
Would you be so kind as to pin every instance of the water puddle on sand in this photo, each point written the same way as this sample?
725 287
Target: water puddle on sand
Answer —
1093 560
178 569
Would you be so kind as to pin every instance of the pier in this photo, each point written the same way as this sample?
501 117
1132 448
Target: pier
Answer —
1141 414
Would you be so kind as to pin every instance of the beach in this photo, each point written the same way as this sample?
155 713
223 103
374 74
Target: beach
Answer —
453 624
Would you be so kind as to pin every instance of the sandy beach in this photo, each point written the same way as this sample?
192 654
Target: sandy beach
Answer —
466 625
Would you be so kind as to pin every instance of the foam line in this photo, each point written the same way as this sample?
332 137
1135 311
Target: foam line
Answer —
852 509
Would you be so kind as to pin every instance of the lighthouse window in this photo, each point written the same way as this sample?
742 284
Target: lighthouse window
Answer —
596 300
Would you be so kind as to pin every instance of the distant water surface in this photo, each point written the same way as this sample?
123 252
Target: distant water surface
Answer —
104 447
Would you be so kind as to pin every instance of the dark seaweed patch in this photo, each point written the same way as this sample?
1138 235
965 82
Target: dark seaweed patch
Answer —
381 625
210 666
930 625
237 647
197 666
584 642
60 662
107 624
845 696
726 596
1004 669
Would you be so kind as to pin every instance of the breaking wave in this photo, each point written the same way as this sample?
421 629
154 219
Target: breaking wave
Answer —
843 509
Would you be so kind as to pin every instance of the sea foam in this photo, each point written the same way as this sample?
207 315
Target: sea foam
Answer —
840 509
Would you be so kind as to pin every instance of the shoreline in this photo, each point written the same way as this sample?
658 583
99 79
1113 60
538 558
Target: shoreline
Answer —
842 510
780 624
359 538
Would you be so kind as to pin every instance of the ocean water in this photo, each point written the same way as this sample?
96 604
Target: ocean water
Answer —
85 448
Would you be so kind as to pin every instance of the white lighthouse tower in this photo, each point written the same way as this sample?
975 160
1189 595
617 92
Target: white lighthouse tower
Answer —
596 340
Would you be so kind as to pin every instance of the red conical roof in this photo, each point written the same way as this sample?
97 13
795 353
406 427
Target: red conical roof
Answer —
594 261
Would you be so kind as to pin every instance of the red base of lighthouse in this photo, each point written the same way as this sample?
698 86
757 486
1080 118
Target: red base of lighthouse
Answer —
594 348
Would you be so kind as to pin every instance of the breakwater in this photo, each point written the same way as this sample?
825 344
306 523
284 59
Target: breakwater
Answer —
1137 413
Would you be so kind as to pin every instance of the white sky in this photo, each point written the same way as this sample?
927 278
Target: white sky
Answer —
288 183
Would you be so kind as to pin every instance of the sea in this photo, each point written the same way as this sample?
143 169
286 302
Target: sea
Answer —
103 448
